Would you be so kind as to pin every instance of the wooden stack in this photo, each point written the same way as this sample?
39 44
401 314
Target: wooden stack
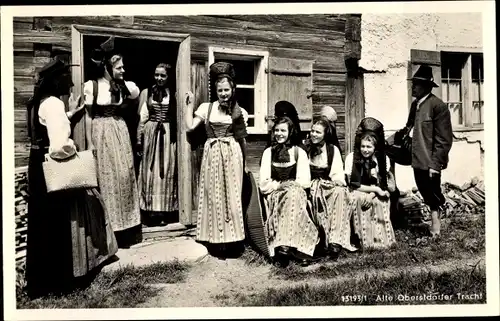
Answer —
460 200
466 199
21 213
411 207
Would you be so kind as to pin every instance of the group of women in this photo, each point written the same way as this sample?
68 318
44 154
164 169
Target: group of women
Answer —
317 205
71 233
311 199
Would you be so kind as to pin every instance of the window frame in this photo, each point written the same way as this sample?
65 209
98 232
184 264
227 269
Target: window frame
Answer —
261 80
466 87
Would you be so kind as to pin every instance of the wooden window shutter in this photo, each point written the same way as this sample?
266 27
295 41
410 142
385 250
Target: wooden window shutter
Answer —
431 58
291 80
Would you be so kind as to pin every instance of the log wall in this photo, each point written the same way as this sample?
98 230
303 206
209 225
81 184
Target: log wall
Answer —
320 38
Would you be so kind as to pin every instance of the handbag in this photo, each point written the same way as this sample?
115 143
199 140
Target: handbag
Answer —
398 147
77 171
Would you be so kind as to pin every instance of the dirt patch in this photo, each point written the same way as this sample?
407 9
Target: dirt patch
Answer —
213 282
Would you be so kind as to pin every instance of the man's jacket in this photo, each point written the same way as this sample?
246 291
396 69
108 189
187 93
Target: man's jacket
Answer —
432 133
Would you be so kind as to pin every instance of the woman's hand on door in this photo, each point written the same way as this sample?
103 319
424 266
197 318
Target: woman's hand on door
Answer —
75 105
189 99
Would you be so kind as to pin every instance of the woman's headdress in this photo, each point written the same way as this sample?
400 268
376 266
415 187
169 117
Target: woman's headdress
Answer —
373 127
101 57
279 151
52 79
225 69
222 69
104 52
285 108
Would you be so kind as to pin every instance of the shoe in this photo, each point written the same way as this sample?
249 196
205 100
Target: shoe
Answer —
283 250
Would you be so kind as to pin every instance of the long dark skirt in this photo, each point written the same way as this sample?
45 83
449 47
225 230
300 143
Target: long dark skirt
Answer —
69 234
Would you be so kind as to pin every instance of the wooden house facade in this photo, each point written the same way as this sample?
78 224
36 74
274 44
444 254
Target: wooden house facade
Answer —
309 60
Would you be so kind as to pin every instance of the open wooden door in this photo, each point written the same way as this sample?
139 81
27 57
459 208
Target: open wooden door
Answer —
77 77
183 74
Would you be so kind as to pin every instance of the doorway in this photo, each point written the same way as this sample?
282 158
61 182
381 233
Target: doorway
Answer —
140 58
142 51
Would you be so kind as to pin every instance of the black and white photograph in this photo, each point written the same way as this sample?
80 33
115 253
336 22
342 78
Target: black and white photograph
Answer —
324 155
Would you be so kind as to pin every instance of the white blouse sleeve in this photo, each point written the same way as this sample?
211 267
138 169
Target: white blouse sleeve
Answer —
134 90
388 163
245 116
337 168
266 183
202 111
348 164
303 170
143 118
53 116
88 93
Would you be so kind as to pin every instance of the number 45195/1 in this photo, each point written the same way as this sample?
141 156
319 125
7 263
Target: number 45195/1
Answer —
353 298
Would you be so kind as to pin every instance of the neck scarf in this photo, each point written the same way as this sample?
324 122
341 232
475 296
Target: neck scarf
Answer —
315 149
158 93
118 89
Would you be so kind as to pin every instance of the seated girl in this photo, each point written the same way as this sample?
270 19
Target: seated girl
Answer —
329 194
367 170
284 177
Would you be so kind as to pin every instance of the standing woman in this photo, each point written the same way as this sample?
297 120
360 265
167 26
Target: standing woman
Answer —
107 132
367 169
284 178
329 193
69 235
157 137
220 212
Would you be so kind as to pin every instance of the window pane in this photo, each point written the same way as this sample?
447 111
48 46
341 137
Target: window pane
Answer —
477 67
456 113
244 69
452 64
477 112
245 98
452 91
475 91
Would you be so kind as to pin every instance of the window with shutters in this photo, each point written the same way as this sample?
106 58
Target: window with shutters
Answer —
460 76
462 85
291 80
251 82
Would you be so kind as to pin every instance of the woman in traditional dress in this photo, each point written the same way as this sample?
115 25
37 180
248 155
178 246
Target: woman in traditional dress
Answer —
157 137
220 221
329 193
284 178
69 235
367 169
108 134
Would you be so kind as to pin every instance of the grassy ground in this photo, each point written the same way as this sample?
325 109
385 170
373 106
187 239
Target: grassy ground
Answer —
415 266
403 269
123 288
400 289
464 238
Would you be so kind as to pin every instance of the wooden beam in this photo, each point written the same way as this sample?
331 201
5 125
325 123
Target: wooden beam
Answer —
466 92
131 33
77 75
354 104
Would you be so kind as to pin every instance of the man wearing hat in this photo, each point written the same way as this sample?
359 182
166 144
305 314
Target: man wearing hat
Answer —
431 142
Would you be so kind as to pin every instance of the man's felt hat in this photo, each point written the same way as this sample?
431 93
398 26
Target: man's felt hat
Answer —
424 74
